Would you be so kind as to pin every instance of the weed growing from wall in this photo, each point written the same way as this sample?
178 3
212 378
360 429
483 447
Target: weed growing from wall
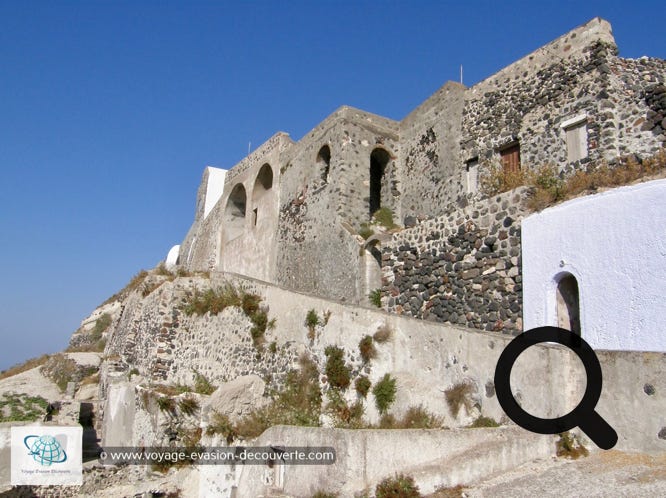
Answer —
362 385
298 403
215 301
384 393
337 372
384 216
220 424
399 486
311 322
484 422
376 297
188 405
459 396
202 385
568 446
367 349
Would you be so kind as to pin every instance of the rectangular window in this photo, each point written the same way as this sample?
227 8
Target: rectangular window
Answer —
510 158
472 176
575 130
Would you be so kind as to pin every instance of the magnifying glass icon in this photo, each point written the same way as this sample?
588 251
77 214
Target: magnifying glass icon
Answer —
584 415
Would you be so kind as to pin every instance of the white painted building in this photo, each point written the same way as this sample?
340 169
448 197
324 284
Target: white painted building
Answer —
598 264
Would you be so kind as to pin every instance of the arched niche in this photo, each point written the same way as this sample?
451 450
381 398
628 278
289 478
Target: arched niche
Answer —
324 162
568 303
234 213
262 187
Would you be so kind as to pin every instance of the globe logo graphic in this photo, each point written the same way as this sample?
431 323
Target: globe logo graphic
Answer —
45 450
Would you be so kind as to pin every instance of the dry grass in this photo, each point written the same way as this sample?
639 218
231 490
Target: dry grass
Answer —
416 417
299 403
459 396
367 349
25 366
568 446
383 334
446 492
215 301
550 187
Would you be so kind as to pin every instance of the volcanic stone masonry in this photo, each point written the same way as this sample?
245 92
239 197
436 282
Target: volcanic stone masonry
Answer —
462 268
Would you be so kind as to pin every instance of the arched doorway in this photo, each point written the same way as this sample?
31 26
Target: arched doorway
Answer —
378 161
568 304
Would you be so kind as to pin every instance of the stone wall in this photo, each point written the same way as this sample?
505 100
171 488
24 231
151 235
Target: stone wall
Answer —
322 207
307 240
462 268
155 336
431 168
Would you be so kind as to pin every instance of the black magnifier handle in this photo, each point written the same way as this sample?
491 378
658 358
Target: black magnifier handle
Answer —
598 430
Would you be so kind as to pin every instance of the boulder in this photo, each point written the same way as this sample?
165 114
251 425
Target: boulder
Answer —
238 397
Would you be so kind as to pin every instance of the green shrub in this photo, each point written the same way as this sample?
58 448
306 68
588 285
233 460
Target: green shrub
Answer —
202 385
346 416
384 216
399 486
337 372
101 324
484 422
365 231
367 349
362 385
213 301
298 403
22 408
311 319
384 393
311 322
376 297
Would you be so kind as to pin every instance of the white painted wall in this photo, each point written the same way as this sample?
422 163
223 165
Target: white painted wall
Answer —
214 188
614 243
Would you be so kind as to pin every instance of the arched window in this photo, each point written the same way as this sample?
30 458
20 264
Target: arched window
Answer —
234 212
324 162
378 161
568 304
262 184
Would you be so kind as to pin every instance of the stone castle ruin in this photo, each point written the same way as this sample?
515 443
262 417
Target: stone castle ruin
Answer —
290 213
373 252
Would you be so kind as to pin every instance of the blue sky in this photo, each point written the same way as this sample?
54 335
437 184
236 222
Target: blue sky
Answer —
109 111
